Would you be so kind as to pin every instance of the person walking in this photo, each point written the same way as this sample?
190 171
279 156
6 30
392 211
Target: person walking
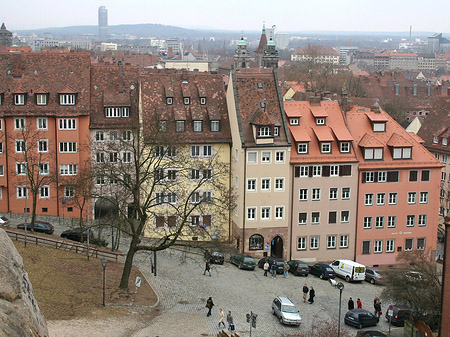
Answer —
312 294
359 303
377 307
230 321
273 269
221 317
266 268
351 304
305 292
207 268
209 305
285 270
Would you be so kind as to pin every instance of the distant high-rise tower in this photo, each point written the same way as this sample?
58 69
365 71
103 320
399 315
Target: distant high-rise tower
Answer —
102 21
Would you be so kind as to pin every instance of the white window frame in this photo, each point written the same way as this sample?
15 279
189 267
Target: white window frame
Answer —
20 146
390 245
367 222
344 147
265 213
345 193
22 192
325 147
302 148
279 184
293 121
303 194
315 194
68 169
393 196
197 126
382 176
317 171
99 136
67 124
334 170
379 127
301 243
251 185
378 246
68 147
251 213
379 221
42 145
410 220
69 191
304 171
42 124
331 241
391 221
264 131
381 199
44 168
314 242
44 192
251 154
315 219
412 197
368 199
320 121
345 219
333 193
265 184
343 241
279 212
19 99
21 168
20 124
423 198
279 156
422 220
215 126
67 99
266 157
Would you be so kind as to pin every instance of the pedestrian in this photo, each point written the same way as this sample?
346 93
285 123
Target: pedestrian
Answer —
305 292
312 293
207 268
273 269
230 321
377 307
266 268
221 317
209 305
351 304
359 303
285 270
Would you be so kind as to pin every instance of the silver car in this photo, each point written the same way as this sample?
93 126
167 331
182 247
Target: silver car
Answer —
285 310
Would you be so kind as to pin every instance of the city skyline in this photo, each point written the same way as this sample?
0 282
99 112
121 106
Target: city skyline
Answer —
325 15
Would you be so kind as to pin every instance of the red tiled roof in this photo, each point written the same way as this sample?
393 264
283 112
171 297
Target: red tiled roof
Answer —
375 117
262 117
300 134
68 90
370 141
342 134
318 112
323 134
398 141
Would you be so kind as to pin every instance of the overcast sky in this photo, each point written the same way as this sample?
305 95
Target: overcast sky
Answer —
247 15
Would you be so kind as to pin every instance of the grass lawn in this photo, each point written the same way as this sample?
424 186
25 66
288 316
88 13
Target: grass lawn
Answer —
68 286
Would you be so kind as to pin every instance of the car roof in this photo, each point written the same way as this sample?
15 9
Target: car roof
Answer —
358 310
285 300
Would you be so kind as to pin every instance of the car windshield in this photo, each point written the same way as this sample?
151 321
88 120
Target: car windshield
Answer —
302 265
248 259
328 269
3 218
288 308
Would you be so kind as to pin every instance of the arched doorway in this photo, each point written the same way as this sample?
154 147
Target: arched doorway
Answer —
276 249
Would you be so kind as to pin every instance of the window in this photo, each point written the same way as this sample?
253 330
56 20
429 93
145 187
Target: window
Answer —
215 126
425 175
207 197
344 147
381 198
256 242
265 213
207 174
382 176
408 244
302 218
180 126
207 151
67 99
443 176
332 217
444 158
251 185
320 121
44 192
379 127
302 148
331 242
346 193
126 157
378 246
413 175
302 171
260 85
334 170
367 222
195 197
169 100
171 175
252 157
392 221
100 157
293 121
1 147
117 112
301 243
379 222
420 244
315 194
401 153
43 145
423 197
195 220
345 216
392 176
393 198
314 242
198 126
333 193
315 217
99 136
390 246
2 170
162 126
100 180
195 174
411 197
251 213
279 156
19 99
264 131
437 156
265 184
265 156
435 139
279 212
19 123
368 199
279 184
20 146
410 220
68 169
369 177
444 141
22 192
113 157
21 168
67 124
195 151
317 171
366 247
422 220
276 131
325 147
68 147
343 242
303 194
186 100
42 123
203 100
373 153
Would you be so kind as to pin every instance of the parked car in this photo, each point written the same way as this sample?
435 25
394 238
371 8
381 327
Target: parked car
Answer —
39 226
360 318
74 234
370 333
4 221
349 270
322 270
243 261
373 276
400 314
216 258
412 275
298 267
285 310
270 259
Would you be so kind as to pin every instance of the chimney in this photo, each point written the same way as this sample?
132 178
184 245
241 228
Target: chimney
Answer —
375 108
119 63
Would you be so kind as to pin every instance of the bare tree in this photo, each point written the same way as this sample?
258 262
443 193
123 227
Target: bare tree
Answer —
159 188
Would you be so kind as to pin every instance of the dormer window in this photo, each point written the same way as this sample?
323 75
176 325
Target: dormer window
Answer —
180 126
203 100
117 112
444 141
293 121
276 131
373 153
169 100
264 131
215 126
260 85
302 148
401 153
162 126
325 147
320 121
41 99
379 127
67 99
1 99
186 100
19 99
435 139
345 147
198 126
263 104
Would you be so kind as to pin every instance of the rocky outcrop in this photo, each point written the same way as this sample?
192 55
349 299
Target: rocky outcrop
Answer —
20 314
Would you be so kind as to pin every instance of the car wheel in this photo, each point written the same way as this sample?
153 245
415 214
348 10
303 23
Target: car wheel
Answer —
321 276
360 326
240 265
273 311
281 320
372 281
347 278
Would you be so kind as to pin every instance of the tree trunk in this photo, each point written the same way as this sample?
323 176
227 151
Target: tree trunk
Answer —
33 213
129 262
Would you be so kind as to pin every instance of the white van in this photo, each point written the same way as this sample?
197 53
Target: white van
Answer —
350 270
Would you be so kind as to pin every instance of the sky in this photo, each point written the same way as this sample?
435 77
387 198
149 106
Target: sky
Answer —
247 15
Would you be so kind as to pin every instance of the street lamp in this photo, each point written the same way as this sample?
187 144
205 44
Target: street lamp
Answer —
340 286
104 262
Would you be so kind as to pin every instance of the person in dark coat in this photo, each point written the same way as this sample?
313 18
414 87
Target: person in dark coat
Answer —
209 305
377 307
273 269
312 293
207 268
351 304
305 292
230 321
